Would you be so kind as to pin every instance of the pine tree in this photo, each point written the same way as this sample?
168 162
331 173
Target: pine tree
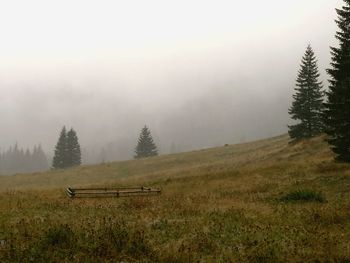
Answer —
28 161
39 158
145 146
67 152
337 113
73 149
60 157
307 107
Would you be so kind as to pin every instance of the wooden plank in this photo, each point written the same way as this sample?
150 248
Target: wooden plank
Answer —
122 192
109 188
70 192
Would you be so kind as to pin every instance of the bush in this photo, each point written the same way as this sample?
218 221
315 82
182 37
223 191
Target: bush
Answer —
303 196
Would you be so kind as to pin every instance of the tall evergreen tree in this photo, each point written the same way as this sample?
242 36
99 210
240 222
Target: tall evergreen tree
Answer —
73 149
67 152
145 146
337 113
60 157
307 107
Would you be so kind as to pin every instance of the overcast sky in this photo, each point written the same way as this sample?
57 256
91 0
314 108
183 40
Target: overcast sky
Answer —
199 73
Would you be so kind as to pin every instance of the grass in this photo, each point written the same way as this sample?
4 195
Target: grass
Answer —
217 205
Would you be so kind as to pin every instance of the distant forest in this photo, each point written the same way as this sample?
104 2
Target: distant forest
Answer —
16 160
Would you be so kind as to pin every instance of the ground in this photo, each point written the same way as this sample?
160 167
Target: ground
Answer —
266 201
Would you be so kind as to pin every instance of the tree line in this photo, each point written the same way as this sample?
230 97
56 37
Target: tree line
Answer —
317 111
16 160
68 153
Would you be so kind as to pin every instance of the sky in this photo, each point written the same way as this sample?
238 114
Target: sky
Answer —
198 73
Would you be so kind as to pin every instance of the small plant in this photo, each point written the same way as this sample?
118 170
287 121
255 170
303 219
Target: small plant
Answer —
303 196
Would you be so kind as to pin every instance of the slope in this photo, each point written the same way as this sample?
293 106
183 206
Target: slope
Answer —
265 201
170 166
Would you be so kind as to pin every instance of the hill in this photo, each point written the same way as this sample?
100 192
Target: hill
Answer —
265 201
170 166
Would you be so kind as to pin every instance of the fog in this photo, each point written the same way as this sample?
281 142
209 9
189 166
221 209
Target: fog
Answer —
198 73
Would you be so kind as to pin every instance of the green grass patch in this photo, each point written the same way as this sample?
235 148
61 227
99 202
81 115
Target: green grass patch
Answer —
303 195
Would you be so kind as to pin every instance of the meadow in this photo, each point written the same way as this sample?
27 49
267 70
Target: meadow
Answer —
265 201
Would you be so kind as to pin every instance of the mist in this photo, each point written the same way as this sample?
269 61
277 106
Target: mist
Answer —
198 73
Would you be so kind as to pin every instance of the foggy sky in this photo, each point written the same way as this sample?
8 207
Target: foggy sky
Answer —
198 73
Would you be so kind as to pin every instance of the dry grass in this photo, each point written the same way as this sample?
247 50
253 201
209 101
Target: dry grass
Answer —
217 205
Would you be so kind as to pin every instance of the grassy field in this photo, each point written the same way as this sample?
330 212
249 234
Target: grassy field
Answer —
266 201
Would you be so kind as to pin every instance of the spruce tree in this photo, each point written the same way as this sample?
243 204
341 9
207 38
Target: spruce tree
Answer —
145 146
39 159
73 149
60 157
337 113
67 152
307 107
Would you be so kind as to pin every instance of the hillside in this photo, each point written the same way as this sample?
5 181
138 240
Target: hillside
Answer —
171 166
226 204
